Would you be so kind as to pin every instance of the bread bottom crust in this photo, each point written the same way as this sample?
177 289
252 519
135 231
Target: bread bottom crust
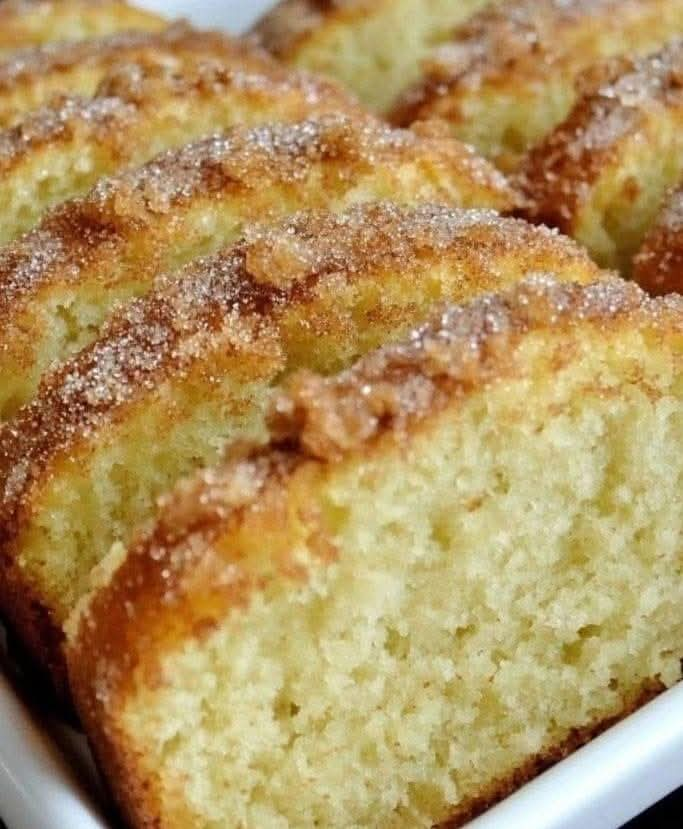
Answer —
578 737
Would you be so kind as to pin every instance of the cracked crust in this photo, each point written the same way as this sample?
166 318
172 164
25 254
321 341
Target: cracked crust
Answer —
141 109
658 266
270 297
161 592
31 77
129 227
24 23
513 66
608 153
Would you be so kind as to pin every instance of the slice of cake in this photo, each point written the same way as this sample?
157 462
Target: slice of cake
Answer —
24 24
658 266
450 566
602 174
375 47
32 77
141 109
508 76
190 367
58 283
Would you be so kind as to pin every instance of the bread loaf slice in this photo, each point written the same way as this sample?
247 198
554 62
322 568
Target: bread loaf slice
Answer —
24 24
190 367
30 78
141 109
58 283
508 77
602 174
450 566
375 47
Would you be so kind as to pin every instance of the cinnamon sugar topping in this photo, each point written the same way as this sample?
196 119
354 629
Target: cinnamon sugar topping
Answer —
557 174
32 63
235 299
69 238
464 347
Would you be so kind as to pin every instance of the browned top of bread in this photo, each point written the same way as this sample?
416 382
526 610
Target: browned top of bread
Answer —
174 578
104 118
658 266
463 349
31 76
29 22
137 80
85 230
558 174
515 40
28 64
135 91
247 291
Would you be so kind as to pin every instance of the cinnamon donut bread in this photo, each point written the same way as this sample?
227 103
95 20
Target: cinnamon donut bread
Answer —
602 174
191 366
507 77
139 110
58 283
31 78
449 566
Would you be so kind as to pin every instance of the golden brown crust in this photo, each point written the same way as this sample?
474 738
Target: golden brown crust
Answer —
25 613
320 420
133 93
522 43
25 23
197 73
577 738
106 53
658 266
280 279
104 119
558 175
32 76
90 230
264 277
396 386
140 109
169 583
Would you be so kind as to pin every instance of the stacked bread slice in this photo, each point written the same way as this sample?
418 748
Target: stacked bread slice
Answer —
58 283
196 360
331 493
139 110
502 79
27 23
509 75
580 99
602 174
448 567
33 77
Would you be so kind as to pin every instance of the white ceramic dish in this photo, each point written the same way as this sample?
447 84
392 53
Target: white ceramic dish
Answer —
601 786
